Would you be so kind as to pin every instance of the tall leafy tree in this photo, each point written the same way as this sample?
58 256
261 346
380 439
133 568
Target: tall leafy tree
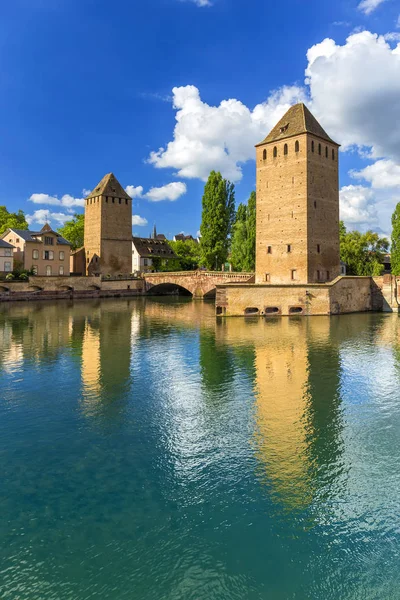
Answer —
395 252
243 249
363 253
74 231
12 220
218 216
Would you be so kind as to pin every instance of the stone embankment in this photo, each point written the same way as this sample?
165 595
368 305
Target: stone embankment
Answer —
56 288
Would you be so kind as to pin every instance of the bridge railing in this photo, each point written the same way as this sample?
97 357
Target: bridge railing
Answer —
199 273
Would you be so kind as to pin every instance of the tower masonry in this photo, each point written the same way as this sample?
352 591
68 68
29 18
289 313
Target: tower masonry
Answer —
297 237
108 228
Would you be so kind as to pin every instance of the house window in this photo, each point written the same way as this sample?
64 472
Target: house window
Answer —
107 199
62 255
61 270
312 146
267 277
319 248
48 255
289 248
35 254
269 250
285 149
126 200
49 241
294 274
17 240
7 252
275 152
264 155
297 147
48 270
7 266
113 200
35 269
145 262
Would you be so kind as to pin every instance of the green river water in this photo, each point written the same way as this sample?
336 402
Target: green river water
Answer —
149 451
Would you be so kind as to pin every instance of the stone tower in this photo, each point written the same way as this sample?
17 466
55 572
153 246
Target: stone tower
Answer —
297 239
108 228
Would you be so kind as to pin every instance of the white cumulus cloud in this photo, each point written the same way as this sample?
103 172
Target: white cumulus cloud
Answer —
368 6
44 215
137 220
66 200
134 192
358 109
383 174
171 191
219 137
357 206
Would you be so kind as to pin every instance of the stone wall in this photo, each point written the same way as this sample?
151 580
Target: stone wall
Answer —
52 288
344 295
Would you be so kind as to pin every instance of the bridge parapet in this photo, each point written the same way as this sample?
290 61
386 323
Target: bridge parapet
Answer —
199 283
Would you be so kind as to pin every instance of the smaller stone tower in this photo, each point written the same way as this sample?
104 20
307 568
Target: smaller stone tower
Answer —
297 239
108 229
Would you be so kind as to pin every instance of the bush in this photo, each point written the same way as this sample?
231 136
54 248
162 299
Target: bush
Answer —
9 276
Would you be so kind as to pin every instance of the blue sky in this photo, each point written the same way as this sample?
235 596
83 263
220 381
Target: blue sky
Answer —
94 86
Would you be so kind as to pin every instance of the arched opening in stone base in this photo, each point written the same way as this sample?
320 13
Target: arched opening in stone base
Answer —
211 294
168 289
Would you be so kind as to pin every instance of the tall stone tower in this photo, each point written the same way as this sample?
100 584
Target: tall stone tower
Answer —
297 239
108 228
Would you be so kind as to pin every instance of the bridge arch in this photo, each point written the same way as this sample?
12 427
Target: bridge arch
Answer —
169 289
211 294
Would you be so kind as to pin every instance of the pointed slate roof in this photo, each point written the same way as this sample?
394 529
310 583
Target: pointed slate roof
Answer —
296 121
109 186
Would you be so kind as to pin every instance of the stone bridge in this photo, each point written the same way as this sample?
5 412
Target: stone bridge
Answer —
200 284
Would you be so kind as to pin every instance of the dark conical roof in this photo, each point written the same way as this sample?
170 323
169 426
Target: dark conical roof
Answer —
109 186
297 120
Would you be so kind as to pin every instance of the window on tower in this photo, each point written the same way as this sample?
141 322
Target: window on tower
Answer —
333 154
285 149
312 146
275 152
269 250
319 149
297 147
326 151
289 248
264 155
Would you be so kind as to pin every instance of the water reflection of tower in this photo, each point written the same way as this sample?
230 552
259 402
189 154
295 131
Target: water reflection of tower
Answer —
298 407
106 354
297 402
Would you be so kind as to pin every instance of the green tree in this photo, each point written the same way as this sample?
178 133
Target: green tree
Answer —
363 253
218 216
243 248
74 231
11 220
395 252
188 253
